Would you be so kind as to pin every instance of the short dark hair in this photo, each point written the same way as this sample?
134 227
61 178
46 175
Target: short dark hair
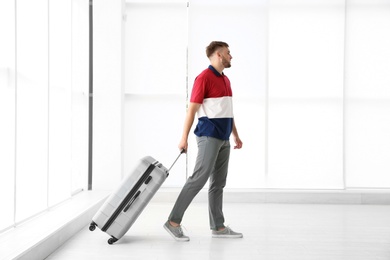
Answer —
213 46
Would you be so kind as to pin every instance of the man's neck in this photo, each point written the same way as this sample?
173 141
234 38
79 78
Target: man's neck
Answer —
218 67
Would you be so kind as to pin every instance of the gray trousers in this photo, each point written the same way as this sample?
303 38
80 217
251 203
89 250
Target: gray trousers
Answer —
211 164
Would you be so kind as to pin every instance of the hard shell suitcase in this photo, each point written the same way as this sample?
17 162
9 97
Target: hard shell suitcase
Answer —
127 201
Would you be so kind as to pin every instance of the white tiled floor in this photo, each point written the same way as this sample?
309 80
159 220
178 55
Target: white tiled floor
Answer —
271 231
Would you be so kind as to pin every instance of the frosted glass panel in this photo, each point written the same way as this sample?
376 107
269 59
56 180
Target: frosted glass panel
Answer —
155 83
305 144
7 112
368 94
43 105
60 57
153 127
305 125
243 25
32 107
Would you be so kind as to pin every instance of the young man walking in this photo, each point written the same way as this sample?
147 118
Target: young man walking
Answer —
211 99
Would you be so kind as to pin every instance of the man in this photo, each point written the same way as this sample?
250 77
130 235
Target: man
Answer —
211 99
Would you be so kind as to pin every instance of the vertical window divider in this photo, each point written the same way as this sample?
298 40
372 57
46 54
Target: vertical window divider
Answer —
187 76
90 96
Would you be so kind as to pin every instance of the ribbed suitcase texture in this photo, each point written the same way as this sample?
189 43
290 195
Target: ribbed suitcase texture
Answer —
128 200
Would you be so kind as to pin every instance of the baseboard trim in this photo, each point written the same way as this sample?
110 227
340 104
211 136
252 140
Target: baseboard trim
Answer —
355 197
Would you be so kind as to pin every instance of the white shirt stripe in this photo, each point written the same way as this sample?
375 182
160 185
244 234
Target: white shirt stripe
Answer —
221 107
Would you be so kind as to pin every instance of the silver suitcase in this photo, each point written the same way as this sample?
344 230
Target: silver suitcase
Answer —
128 200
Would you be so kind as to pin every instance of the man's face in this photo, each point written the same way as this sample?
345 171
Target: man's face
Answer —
226 57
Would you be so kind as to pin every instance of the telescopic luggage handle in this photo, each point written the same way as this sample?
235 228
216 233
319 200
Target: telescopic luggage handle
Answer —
177 158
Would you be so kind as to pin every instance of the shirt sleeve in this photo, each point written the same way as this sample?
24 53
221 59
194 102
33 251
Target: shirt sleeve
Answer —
198 90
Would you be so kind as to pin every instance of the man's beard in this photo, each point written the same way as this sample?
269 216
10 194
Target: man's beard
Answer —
226 63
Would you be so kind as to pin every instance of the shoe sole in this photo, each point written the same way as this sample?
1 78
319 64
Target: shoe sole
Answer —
228 236
176 238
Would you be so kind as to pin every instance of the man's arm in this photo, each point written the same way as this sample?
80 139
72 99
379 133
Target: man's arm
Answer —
189 120
236 138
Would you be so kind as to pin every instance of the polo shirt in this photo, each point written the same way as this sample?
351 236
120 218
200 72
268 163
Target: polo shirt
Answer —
215 116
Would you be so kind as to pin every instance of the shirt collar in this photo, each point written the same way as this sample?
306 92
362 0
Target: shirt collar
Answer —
215 71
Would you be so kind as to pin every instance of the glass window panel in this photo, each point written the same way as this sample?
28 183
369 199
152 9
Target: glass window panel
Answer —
80 72
305 144
156 42
7 112
152 127
306 43
367 123
32 107
60 54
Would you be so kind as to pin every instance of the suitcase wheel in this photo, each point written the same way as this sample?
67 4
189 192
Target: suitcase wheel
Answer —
92 227
112 240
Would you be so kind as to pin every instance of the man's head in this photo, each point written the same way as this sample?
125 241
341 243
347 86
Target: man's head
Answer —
219 51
